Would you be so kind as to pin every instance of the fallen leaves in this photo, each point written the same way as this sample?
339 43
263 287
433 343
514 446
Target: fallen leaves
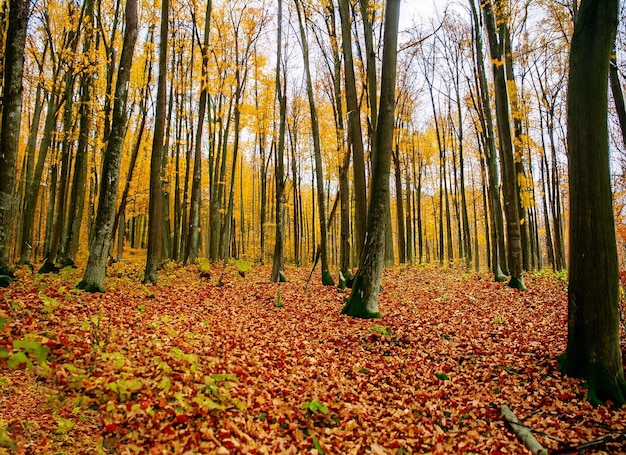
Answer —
189 366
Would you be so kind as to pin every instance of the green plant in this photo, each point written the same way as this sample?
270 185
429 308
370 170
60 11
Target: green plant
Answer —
279 302
5 440
24 350
243 266
314 407
49 303
381 330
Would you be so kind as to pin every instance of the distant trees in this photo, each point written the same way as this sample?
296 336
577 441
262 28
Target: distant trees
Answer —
266 154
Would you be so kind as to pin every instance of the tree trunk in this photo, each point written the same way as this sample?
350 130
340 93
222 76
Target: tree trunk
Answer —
93 279
317 149
363 300
278 264
155 215
77 198
593 341
509 177
399 204
618 97
354 125
498 251
19 13
194 226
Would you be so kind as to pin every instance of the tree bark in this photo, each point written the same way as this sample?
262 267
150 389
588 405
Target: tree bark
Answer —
354 125
155 215
363 300
194 226
593 338
19 13
317 149
278 264
93 279
509 176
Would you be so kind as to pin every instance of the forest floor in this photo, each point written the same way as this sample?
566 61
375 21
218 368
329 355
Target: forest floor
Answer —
189 366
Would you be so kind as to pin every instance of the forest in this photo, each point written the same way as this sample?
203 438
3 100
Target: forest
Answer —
322 226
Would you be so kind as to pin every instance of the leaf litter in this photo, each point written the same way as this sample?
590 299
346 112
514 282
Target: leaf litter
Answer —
192 367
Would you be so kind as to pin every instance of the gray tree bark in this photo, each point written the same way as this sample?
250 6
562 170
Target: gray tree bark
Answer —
363 300
93 278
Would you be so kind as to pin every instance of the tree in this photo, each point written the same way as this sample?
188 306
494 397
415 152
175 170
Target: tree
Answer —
278 264
593 338
194 226
317 147
155 218
19 13
77 201
93 279
354 123
363 300
497 35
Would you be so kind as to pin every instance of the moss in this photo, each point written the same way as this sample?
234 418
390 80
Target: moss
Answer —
327 279
602 386
67 262
500 277
517 283
90 287
5 280
342 281
48 267
7 270
354 305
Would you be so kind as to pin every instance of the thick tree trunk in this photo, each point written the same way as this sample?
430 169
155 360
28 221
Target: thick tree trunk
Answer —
363 300
93 279
593 341
19 13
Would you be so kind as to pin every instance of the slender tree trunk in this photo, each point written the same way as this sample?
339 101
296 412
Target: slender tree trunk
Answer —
194 225
93 279
498 251
354 125
399 204
618 96
278 265
509 184
155 215
317 149
363 300
593 339
79 185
